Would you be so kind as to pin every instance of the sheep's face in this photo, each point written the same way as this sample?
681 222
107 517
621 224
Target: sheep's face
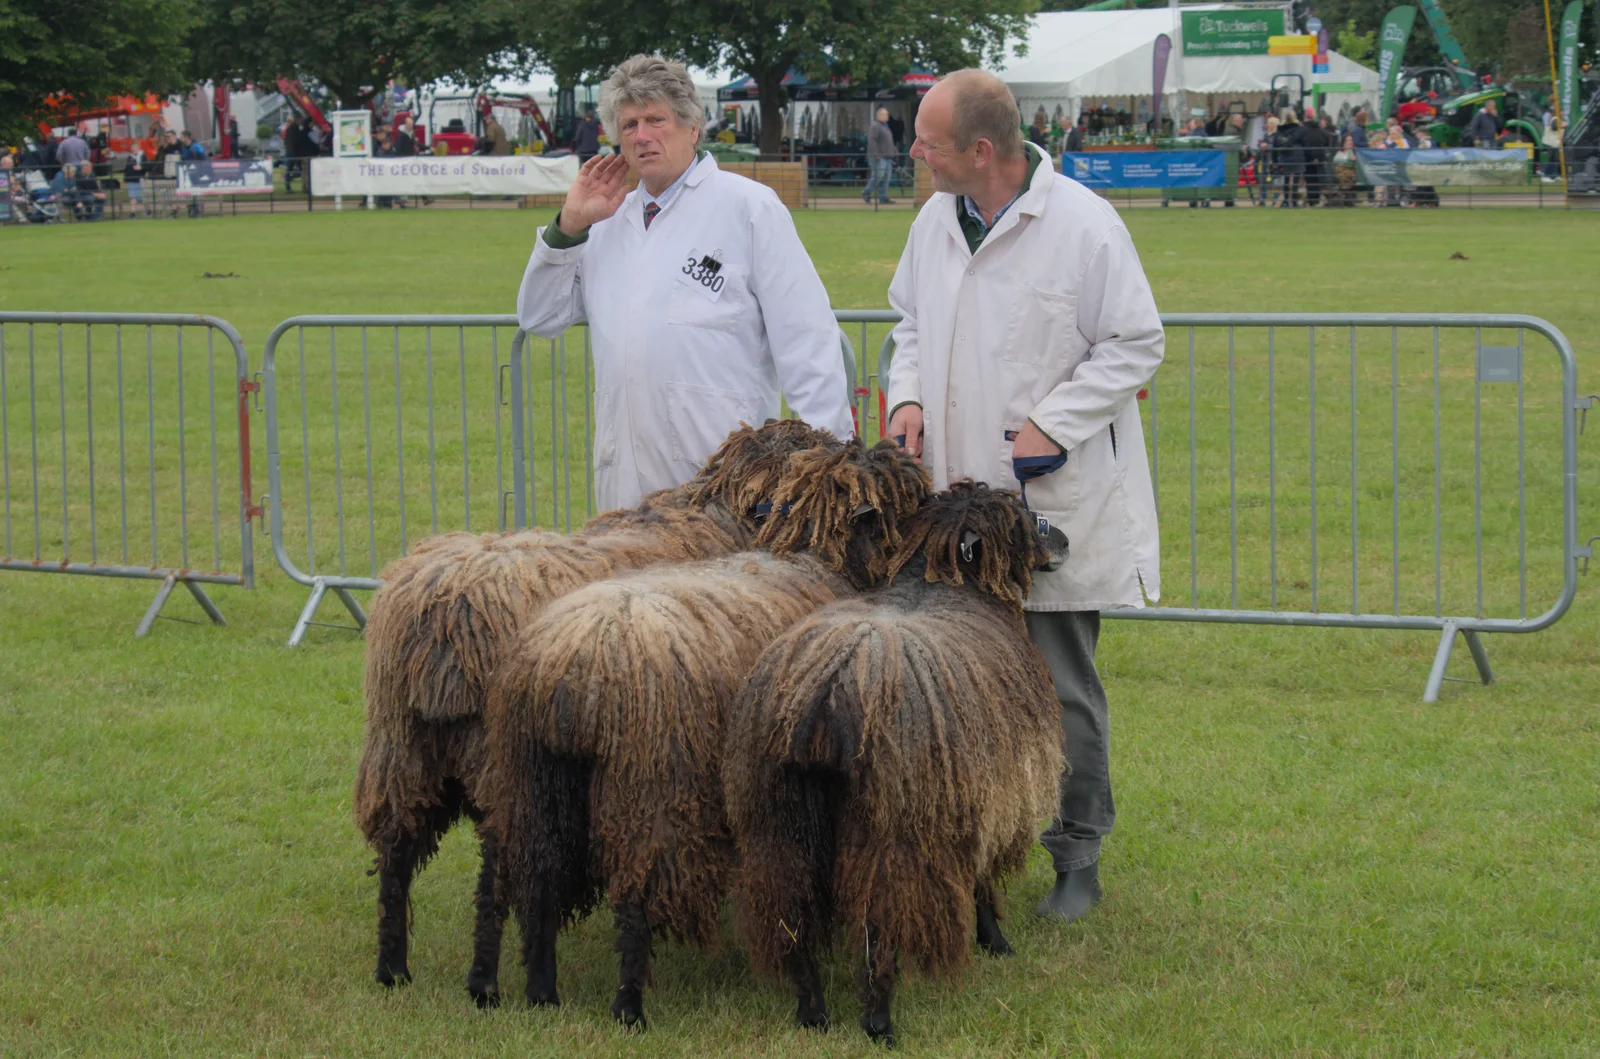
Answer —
846 507
971 533
747 468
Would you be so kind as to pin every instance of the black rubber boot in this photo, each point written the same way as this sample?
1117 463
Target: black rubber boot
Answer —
1075 892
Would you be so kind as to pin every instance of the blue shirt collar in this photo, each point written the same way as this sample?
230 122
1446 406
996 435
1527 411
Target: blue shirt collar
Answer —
664 199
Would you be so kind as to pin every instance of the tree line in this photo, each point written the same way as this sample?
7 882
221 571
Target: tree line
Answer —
91 50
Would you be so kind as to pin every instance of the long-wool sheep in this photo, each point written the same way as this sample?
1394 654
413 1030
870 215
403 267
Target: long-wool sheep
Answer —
606 723
890 756
439 625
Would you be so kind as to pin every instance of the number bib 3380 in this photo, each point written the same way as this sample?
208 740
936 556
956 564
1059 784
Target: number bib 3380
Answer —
702 272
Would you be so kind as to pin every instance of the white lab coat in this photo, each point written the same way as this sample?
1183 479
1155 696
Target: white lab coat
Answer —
677 364
1051 320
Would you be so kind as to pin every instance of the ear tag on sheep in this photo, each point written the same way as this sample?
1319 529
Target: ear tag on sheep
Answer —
862 509
969 542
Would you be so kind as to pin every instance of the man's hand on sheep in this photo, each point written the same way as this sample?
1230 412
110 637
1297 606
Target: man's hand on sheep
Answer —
596 194
905 426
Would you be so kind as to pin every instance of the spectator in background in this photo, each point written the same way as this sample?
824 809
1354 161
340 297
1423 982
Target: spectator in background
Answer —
586 137
383 147
191 149
88 201
494 138
1343 190
1075 136
72 152
1315 148
1036 134
233 136
1288 148
1484 126
405 137
294 151
1357 129
133 181
881 154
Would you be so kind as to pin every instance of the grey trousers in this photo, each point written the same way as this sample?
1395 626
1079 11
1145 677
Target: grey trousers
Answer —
1067 641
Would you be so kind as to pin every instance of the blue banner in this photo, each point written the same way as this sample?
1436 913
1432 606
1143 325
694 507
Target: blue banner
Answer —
1443 166
1147 169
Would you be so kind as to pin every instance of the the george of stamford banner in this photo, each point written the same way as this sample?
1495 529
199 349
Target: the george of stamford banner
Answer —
522 174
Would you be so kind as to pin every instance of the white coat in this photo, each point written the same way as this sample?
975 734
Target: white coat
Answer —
1051 320
678 364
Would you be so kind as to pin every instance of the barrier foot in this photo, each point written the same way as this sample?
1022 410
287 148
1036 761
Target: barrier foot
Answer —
319 588
1441 659
1480 657
352 606
162 595
308 611
205 602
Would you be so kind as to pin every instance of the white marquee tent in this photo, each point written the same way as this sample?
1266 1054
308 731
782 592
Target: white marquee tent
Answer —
1073 56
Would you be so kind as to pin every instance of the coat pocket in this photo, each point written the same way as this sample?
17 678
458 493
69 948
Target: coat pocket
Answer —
1042 326
694 305
700 418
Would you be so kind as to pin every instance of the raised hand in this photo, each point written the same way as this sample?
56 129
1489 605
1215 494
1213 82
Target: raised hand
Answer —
596 194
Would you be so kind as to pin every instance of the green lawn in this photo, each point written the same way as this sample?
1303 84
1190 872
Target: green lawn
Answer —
1308 861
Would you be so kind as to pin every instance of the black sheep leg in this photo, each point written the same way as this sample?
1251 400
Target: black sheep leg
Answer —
800 965
541 922
990 939
633 945
397 867
877 991
395 870
483 980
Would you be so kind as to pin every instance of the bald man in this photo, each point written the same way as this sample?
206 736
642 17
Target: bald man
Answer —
1027 330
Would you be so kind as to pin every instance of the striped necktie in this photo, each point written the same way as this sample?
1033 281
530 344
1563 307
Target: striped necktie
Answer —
650 211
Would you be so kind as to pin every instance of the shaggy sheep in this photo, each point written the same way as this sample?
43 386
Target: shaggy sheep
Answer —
606 723
889 757
437 629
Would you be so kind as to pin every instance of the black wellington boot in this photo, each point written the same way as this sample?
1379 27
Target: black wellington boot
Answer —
1075 892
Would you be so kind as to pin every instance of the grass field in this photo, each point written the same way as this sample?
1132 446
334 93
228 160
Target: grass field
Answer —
1307 862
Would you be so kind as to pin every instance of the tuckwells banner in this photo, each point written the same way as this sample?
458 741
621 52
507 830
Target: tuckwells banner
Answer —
520 174
1147 169
1442 166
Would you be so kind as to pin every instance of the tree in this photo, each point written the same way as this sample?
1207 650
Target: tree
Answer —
355 47
90 50
865 40
1355 45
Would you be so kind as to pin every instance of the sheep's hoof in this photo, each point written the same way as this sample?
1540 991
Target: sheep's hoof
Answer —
990 939
484 994
628 1009
389 977
538 999
813 1018
879 1028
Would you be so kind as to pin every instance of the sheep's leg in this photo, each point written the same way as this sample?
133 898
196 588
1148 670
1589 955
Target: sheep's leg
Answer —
395 871
397 867
877 991
633 945
800 964
990 939
483 980
541 922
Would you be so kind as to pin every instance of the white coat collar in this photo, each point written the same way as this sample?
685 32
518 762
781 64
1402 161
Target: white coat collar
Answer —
1031 202
633 208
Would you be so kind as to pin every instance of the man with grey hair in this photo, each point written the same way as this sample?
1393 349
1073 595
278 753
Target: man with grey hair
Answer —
700 299
1027 330
880 158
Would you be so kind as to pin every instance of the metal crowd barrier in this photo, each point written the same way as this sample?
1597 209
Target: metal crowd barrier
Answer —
1276 410
443 405
112 421
410 414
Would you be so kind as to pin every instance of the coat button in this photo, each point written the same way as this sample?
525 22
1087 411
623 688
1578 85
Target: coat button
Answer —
972 272
950 470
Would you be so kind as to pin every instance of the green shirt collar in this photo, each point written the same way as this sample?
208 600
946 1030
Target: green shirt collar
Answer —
972 226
